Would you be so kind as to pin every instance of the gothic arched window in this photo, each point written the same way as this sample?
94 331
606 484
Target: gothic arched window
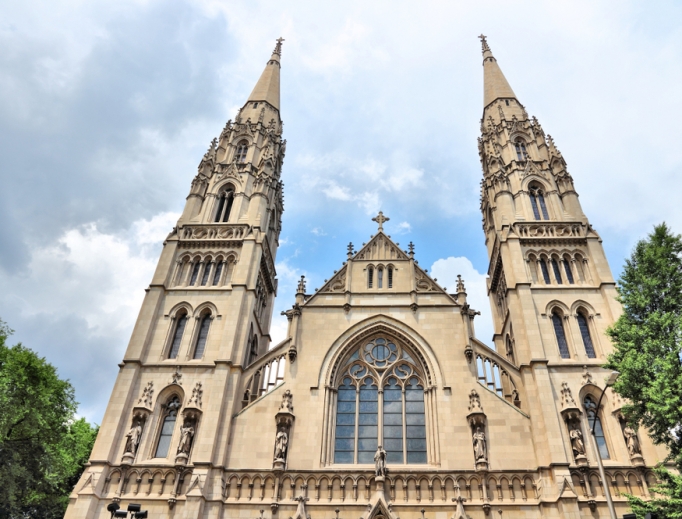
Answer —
569 272
225 201
390 277
240 154
593 415
370 277
204 326
253 347
521 153
195 272
207 271
545 271
380 277
167 426
394 417
180 323
585 334
218 272
537 201
557 272
558 323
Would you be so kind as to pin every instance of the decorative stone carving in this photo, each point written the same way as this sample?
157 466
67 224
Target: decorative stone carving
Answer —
477 421
177 377
380 461
300 509
577 443
147 396
284 420
133 439
480 447
567 400
587 376
197 393
475 402
187 432
634 448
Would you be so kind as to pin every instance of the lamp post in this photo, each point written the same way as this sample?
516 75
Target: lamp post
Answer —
134 510
607 492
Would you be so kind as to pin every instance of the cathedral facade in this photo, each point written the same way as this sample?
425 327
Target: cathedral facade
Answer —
381 402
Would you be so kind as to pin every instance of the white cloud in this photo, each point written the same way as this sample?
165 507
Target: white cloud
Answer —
446 271
318 231
403 228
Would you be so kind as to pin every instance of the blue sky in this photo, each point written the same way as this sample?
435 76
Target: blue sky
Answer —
106 109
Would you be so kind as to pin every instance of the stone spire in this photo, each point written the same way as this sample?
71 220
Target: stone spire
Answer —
267 88
495 85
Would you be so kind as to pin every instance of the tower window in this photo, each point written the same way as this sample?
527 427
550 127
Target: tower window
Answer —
225 202
253 349
380 278
521 153
180 324
557 272
240 154
255 105
506 102
585 334
569 273
166 434
593 415
558 323
218 272
195 272
202 336
545 271
537 200
370 277
207 272
390 277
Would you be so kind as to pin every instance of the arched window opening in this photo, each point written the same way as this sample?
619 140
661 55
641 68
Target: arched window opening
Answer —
207 272
167 427
240 154
399 408
545 271
585 334
380 277
537 200
521 153
569 272
182 271
180 323
390 277
195 272
253 349
202 336
557 272
225 202
217 273
558 322
593 416
370 277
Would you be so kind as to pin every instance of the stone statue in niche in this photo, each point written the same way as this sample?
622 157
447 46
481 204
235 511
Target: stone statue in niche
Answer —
577 443
480 447
133 438
281 443
632 441
380 462
186 436
287 402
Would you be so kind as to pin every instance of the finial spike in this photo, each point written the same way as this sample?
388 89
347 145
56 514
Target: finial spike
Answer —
278 46
484 42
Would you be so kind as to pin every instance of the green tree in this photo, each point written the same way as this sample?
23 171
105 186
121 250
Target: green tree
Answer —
43 448
647 353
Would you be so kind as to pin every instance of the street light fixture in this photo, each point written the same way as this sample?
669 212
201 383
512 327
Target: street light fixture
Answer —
134 510
607 492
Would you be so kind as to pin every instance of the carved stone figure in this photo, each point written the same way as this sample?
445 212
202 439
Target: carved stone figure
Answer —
380 462
287 402
133 436
186 436
577 441
632 441
281 442
480 447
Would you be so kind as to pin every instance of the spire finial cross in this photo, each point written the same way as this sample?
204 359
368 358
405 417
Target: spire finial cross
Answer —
350 250
380 219
278 46
484 42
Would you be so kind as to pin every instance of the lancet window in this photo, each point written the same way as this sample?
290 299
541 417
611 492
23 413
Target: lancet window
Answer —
393 417
521 153
178 330
545 271
202 335
585 334
389 271
240 154
380 277
593 416
557 271
225 202
370 277
569 272
217 273
558 323
537 201
208 266
196 267
170 415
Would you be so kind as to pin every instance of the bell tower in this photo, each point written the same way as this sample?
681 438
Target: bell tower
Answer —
205 318
551 290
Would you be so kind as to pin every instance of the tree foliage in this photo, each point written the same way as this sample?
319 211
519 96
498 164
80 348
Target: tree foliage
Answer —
647 353
43 448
